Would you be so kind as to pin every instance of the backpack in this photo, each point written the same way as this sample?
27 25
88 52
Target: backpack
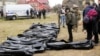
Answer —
92 13
90 16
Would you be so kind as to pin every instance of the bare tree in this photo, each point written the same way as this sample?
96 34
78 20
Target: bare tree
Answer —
56 7
3 2
77 2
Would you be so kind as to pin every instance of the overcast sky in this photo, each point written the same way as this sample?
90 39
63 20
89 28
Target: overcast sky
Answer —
54 2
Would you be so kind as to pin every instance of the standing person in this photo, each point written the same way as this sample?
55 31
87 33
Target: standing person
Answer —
27 12
95 25
99 17
62 16
85 11
70 23
44 13
58 13
34 13
91 24
39 15
77 17
2 13
31 12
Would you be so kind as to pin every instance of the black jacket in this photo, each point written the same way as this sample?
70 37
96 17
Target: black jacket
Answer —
98 10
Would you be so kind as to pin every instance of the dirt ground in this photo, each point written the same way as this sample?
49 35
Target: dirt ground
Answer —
12 28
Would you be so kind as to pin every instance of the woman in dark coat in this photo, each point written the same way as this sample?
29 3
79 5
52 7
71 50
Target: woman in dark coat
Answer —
92 26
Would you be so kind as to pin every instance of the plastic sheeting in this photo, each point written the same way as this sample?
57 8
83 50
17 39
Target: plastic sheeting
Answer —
39 38
30 41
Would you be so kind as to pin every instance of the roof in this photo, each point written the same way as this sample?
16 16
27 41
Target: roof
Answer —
21 1
43 1
40 1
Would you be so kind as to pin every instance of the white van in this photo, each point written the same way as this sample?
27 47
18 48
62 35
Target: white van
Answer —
15 11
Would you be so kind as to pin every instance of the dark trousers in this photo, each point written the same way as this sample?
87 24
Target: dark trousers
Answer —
44 15
99 27
70 33
92 30
39 16
31 14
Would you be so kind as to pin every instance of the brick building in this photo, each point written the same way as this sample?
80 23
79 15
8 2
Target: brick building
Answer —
38 4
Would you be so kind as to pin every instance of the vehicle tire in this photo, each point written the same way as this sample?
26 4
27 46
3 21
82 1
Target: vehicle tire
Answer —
14 18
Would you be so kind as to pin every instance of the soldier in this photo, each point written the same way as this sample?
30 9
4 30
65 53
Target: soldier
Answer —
76 15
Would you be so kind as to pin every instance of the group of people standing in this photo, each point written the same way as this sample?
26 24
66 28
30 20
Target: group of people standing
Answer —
36 13
70 17
91 20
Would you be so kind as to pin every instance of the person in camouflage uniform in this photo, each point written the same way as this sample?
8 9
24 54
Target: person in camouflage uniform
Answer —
77 17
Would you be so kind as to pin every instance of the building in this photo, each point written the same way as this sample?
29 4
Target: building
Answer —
37 4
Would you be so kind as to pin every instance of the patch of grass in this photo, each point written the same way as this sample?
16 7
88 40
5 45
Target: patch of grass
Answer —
14 27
